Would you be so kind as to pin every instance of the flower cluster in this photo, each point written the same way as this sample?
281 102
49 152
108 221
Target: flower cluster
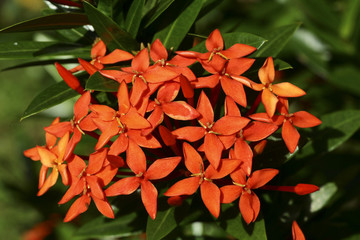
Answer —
205 142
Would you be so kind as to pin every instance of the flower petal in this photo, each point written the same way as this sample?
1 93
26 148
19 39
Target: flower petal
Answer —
256 131
214 41
187 186
304 119
249 205
79 206
104 207
141 61
213 149
115 56
286 89
162 167
230 193
149 198
180 110
290 135
269 100
267 71
135 158
234 89
190 134
260 177
210 194
205 109
124 186
228 125
193 160
158 51
297 234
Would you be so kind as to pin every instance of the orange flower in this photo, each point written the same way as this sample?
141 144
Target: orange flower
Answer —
297 234
210 193
249 203
136 161
270 91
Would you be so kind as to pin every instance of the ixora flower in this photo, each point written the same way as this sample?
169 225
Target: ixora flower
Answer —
180 119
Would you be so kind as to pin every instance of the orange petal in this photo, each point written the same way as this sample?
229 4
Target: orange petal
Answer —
103 112
42 175
69 79
213 149
116 56
117 75
168 92
210 194
119 145
155 119
243 152
32 153
267 71
190 134
231 109
228 125
234 89
256 131
138 90
135 158
103 206
123 98
76 188
230 193
205 109
239 176
214 41
81 107
193 160
59 129
94 184
98 50
159 74
148 141
76 165
187 186
158 51
186 87
304 189
238 50
290 135
226 167
179 110
207 82
297 234
79 206
88 67
269 100
49 182
96 161
168 138
162 167
149 198
112 130
47 157
238 66
141 61
304 120
124 186
249 205
286 89
133 120
64 174
260 177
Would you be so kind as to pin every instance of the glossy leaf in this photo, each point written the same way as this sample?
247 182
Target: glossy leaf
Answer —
51 96
156 11
133 17
347 78
106 7
121 226
98 82
231 221
113 36
30 49
320 198
276 41
167 219
49 22
172 35
336 128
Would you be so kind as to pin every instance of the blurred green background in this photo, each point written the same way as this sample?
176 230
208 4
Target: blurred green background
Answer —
324 53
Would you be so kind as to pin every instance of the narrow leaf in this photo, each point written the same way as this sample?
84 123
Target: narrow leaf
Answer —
49 22
347 78
157 11
133 18
98 82
231 221
30 49
276 41
106 7
173 34
113 36
51 96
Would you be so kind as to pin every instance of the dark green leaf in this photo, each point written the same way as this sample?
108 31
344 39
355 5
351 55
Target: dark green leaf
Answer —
50 22
153 14
350 18
78 35
173 34
113 36
235 37
30 49
51 96
281 65
106 7
167 219
347 78
231 221
39 63
276 40
98 82
121 226
336 128
133 18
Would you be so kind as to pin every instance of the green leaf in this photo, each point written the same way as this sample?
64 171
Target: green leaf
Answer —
174 33
98 82
153 14
167 219
39 63
49 22
281 65
106 7
347 78
51 96
30 49
349 19
233 38
231 221
121 226
276 41
336 128
133 18
320 198
113 36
